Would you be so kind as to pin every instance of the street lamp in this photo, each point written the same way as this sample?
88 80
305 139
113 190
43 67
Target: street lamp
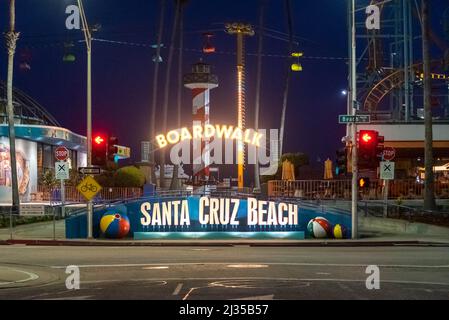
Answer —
88 38
353 110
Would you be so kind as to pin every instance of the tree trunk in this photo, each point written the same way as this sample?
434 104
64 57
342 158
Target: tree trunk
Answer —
11 40
155 90
174 185
167 88
258 87
429 183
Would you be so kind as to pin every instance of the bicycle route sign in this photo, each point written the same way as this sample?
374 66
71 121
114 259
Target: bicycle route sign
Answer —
89 188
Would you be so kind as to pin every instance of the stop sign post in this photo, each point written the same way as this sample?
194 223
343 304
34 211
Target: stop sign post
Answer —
62 154
388 154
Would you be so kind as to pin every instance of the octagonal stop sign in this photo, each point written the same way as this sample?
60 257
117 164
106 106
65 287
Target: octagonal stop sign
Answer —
389 154
61 153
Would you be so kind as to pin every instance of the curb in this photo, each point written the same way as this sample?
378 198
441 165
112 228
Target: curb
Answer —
200 243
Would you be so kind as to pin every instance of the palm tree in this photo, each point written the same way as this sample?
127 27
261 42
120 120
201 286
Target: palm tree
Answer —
174 182
258 87
11 40
167 87
288 76
429 184
155 85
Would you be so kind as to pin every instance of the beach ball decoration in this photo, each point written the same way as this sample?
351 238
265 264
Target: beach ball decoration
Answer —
339 231
319 228
114 225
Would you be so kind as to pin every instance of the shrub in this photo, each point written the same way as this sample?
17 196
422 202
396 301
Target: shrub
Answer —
129 177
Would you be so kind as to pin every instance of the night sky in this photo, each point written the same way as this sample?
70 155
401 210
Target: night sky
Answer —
122 74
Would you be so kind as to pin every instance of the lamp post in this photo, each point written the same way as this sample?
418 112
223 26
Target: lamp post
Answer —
353 110
88 38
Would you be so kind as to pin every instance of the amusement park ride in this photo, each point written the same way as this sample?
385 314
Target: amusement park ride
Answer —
389 77
388 73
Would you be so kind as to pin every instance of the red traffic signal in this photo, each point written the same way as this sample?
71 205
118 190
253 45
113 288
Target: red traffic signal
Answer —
368 138
99 150
368 143
99 140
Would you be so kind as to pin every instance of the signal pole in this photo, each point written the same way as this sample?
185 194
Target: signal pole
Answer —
355 189
88 38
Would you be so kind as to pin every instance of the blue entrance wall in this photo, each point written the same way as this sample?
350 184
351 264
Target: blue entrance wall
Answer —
76 226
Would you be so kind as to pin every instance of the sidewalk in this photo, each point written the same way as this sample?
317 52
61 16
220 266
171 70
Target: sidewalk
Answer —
363 242
373 232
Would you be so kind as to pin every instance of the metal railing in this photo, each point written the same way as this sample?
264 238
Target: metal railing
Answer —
341 189
72 194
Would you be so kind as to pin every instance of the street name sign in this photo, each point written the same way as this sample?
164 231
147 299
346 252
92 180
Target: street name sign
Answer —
344 119
62 171
89 188
387 170
89 170
32 210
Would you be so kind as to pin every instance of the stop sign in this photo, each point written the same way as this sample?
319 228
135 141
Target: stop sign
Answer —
61 153
389 153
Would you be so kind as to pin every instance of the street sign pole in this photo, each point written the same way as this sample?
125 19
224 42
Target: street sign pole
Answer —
386 191
355 189
386 187
88 38
62 154
62 198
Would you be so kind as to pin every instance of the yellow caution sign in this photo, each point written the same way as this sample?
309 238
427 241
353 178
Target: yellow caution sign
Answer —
89 188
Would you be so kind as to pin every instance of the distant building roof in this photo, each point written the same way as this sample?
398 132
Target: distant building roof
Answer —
26 109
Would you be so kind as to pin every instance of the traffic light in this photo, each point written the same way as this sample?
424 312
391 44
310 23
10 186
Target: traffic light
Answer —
380 147
342 158
364 183
368 149
99 148
112 148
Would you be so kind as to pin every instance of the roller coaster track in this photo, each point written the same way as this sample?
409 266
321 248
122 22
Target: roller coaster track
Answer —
392 81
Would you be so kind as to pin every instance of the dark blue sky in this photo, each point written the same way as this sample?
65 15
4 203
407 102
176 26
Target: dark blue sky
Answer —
122 74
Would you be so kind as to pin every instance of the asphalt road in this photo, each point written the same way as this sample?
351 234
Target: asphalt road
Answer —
224 272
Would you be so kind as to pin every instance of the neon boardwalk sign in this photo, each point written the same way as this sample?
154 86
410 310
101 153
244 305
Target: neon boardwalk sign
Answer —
207 132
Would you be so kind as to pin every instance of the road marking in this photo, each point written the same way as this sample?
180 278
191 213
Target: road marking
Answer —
70 298
163 281
265 263
266 297
189 292
30 277
155 268
247 266
322 273
177 289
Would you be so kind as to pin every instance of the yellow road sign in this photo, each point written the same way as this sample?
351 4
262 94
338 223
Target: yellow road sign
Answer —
89 188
